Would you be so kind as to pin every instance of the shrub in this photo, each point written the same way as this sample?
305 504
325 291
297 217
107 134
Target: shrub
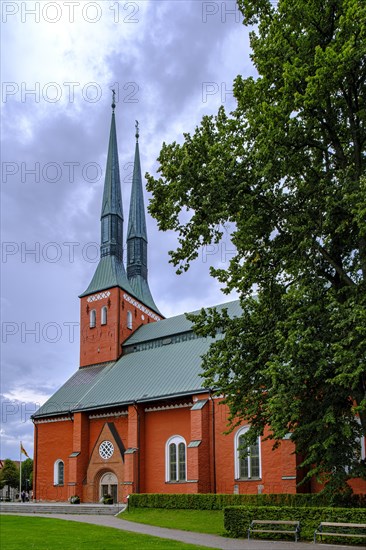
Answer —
219 501
237 518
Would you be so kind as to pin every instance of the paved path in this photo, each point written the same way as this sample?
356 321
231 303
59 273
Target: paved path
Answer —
211 541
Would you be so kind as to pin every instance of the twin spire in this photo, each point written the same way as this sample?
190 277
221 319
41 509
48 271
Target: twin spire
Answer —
110 271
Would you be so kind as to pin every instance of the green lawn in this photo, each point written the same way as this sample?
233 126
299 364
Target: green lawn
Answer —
199 521
35 533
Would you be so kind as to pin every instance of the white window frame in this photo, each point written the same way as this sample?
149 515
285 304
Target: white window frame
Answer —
238 434
93 318
103 315
362 449
362 443
56 472
129 320
175 440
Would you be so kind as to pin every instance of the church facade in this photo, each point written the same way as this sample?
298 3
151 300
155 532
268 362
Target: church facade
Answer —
135 416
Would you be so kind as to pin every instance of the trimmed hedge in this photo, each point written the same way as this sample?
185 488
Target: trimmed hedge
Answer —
218 501
237 518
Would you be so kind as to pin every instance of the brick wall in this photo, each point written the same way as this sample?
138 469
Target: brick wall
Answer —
144 434
54 442
102 343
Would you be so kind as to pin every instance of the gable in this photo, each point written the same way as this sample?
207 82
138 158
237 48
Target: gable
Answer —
100 455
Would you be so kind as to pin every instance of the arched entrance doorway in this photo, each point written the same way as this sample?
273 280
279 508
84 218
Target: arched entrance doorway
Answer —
108 485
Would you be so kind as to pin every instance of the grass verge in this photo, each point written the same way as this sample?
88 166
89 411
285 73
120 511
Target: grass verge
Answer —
37 533
199 521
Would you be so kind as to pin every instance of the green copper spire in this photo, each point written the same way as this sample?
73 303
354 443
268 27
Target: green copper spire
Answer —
110 271
137 236
136 232
112 211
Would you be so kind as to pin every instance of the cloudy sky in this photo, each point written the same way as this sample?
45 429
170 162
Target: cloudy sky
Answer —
170 62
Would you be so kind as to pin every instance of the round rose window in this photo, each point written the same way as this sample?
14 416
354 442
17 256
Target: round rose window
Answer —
106 449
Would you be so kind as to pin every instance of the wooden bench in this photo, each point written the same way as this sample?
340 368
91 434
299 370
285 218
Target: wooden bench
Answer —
275 526
335 530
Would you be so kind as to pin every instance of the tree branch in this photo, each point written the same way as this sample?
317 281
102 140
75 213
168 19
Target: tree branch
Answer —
343 275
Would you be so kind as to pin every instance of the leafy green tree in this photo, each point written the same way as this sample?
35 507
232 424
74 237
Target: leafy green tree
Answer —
9 474
285 173
27 474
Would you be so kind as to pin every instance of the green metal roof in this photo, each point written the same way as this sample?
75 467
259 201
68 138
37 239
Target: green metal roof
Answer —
142 291
74 391
110 272
175 325
159 373
168 370
153 374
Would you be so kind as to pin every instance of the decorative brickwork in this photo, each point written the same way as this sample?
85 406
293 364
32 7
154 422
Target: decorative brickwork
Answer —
103 343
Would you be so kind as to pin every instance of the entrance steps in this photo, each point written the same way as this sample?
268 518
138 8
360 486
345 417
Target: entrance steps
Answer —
60 508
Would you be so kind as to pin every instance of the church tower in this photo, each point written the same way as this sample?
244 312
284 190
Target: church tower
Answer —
116 303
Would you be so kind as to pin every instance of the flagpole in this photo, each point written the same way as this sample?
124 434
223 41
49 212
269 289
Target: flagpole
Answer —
20 470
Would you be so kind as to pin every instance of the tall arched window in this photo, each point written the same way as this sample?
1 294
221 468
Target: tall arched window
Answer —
58 472
247 458
129 320
103 318
93 318
176 466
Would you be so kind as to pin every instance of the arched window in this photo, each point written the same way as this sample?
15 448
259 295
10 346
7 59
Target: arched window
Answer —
58 472
247 458
129 320
93 318
176 467
359 452
103 318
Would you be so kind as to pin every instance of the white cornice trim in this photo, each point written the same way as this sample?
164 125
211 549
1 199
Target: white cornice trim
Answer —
142 308
99 296
105 415
168 407
58 419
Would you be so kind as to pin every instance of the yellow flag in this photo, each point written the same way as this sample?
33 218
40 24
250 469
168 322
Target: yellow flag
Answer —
22 450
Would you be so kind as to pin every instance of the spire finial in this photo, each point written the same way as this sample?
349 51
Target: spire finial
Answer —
137 130
113 100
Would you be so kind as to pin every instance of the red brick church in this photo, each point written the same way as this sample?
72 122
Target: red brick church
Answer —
135 416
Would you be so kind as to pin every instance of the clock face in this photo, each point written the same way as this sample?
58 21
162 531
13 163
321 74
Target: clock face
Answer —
106 449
